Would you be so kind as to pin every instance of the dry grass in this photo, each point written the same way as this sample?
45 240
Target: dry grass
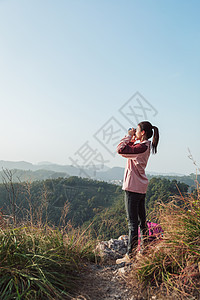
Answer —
38 261
41 262
171 267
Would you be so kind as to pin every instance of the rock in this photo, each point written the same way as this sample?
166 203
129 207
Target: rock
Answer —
117 297
122 270
125 269
103 245
112 249
124 238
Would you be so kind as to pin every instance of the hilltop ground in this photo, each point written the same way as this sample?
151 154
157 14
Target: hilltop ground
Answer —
106 282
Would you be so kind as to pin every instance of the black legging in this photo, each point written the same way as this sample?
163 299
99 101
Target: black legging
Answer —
136 215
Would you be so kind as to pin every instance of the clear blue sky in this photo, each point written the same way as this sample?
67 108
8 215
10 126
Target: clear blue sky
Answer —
67 67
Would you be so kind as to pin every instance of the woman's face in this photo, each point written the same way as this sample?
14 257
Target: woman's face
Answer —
139 134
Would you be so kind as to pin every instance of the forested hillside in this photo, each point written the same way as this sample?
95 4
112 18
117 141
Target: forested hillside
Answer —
189 180
79 201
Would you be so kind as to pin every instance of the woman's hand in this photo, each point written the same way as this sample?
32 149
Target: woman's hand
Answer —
131 131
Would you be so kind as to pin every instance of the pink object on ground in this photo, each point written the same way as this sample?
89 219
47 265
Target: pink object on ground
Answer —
155 232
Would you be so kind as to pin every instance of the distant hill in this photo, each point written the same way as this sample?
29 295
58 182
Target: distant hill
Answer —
28 175
21 165
47 170
115 173
69 169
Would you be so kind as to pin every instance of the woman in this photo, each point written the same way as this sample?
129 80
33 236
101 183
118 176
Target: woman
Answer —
135 182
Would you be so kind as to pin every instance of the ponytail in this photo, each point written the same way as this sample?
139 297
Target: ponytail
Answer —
151 131
155 139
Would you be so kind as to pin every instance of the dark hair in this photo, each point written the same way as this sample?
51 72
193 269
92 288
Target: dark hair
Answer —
148 128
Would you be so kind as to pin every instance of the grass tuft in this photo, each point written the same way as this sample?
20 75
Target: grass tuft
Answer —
41 262
172 265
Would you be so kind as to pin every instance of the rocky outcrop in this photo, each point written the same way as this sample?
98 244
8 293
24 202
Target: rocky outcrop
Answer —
112 249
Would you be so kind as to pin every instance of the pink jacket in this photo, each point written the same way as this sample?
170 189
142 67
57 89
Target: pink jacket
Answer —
135 179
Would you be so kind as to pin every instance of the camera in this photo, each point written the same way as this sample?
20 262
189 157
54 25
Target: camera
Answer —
131 128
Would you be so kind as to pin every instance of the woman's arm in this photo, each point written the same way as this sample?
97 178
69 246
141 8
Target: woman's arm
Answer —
126 140
128 149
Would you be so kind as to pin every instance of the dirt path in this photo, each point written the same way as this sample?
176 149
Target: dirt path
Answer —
100 282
